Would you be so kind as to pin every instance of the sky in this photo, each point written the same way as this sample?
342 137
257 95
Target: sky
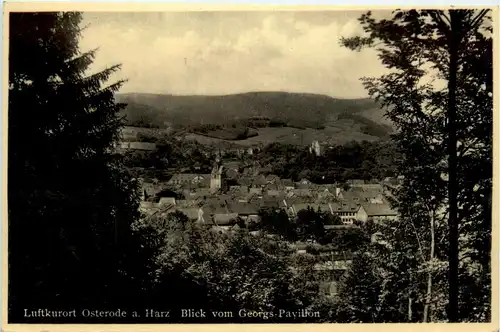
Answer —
219 53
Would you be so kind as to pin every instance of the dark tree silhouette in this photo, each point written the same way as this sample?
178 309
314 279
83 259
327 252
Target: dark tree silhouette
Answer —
70 202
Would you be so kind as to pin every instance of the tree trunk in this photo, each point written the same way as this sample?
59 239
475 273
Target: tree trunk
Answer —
452 167
410 313
429 276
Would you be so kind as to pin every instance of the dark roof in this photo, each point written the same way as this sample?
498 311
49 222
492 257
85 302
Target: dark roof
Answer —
271 202
274 186
272 178
356 181
243 208
352 195
187 203
344 206
302 192
274 193
167 200
191 213
245 181
379 210
256 190
225 219
259 181
233 164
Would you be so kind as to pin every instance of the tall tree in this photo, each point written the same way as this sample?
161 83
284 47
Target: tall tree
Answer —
71 203
434 57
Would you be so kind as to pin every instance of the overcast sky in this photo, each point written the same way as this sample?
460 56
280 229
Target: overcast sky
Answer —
231 52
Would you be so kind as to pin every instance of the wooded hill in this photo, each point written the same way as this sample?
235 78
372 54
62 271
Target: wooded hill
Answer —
212 115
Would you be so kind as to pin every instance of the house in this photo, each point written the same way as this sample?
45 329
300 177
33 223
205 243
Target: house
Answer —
391 183
245 181
145 146
300 247
255 191
232 165
355 182
348 212
274 186
351 196
129 133
373 196
374 187
259 181
274 193
325 193
288 184
224 221
238 191
302 193
329 288
235 188
166 201
148 207
380 212
303 183
270 202
271 178
245 210
197 165
187 203
188 178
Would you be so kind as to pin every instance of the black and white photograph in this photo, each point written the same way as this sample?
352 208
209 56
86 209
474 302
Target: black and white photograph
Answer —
250 166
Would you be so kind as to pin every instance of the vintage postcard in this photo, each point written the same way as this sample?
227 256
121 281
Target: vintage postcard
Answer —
201 166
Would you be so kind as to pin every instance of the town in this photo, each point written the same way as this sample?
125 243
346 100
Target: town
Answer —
235 194
250 166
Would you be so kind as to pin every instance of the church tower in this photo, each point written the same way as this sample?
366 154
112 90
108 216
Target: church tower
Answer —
315 148
216 178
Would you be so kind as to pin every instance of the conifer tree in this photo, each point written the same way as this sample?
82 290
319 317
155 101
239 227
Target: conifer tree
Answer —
70 201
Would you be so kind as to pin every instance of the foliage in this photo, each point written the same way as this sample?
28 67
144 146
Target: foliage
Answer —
232 270
354 160
311 224
71 203
418 48
277 222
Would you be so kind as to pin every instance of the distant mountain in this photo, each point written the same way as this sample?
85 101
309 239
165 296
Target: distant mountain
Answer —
297 110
